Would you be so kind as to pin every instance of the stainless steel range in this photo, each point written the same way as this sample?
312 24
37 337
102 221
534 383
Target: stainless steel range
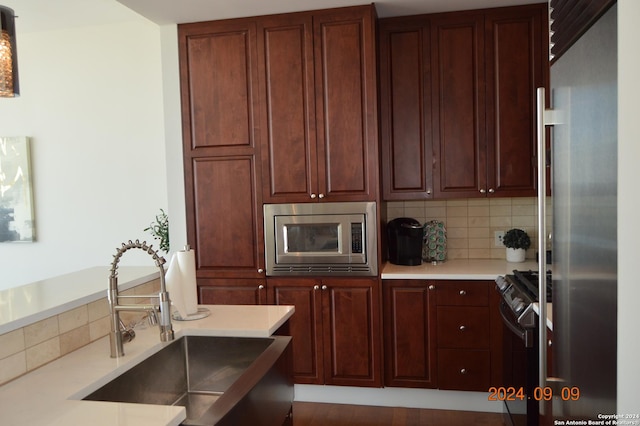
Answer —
519 292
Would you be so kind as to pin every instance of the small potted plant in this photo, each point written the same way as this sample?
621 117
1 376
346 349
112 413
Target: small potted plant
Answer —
517 242
160 230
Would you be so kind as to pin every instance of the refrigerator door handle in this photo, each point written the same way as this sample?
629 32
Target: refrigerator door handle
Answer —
544 117
542 214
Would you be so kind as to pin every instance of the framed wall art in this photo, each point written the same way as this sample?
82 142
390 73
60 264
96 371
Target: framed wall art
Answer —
17 222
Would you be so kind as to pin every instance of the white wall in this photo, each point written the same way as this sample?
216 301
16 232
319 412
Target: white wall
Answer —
91 100
628 206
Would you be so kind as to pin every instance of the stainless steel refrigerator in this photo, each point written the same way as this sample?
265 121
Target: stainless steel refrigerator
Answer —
584 227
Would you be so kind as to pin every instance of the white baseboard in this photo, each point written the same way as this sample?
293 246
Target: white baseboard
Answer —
399 397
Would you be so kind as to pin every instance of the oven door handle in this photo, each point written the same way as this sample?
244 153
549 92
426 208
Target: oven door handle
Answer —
525 335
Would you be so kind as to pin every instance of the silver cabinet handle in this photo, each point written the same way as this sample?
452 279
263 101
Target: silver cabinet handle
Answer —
463 371
491 190
462 328
313 195
428 192
260 287
316 287
432 287
463 292
260 270
320 196
482 191
324 287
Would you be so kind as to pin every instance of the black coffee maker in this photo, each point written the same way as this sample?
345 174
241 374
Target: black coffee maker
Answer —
404 237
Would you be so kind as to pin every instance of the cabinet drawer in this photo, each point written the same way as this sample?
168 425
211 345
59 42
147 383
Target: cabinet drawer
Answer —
464 369
463 327
465 293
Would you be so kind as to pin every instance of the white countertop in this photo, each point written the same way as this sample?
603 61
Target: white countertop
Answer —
51 394
30 303
457 269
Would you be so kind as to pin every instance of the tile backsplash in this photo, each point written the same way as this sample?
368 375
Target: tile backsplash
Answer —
32 346
471 223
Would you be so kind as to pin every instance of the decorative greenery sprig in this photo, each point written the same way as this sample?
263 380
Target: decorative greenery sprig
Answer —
516 238
160 230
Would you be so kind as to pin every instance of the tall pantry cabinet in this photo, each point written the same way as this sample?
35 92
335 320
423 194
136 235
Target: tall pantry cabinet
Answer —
283 109
220 115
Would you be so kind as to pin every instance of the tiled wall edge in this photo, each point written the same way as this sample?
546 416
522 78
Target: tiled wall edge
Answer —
471 223
27 348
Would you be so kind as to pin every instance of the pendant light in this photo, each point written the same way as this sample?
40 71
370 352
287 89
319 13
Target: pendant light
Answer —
8 54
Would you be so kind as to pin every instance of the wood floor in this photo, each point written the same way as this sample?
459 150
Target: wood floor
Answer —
315 414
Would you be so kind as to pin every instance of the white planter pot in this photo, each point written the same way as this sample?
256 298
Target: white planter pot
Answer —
515 255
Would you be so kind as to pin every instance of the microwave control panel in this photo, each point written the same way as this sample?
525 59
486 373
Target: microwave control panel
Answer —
356 238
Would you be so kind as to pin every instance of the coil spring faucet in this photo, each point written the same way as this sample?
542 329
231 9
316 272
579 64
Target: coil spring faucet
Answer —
164 303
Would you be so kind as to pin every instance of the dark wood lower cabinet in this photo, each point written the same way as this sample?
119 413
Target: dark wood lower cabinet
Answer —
232 291
335 329
409 334
442 334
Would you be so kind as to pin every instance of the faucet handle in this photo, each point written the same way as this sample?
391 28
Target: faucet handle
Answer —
152 317
127 333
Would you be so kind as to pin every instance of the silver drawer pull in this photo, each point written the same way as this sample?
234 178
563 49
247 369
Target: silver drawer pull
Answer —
462 328
463 292
463 371
316 287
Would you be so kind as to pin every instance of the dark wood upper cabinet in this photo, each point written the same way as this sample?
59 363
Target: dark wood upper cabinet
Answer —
219 84
319 125
458 102
517 64
288 118
405 109
458 79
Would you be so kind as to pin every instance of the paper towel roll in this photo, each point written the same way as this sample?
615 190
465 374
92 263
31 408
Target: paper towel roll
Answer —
181 282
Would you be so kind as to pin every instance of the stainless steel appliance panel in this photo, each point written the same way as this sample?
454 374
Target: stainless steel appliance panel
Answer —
321 239
584 90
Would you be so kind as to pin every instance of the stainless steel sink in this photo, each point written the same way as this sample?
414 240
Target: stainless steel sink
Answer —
219 380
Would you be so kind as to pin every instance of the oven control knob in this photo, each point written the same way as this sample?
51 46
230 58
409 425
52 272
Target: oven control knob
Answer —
516 301
502 283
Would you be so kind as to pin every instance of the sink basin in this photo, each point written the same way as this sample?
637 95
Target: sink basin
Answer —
219 380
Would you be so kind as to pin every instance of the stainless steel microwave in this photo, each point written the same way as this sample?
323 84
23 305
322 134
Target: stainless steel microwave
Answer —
321 239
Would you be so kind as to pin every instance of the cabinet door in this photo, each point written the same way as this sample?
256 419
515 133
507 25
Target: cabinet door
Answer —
305 326
459 105
232 292
516 64
288 120
346 104
351 324
219 84
409 334
405 108
224 222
